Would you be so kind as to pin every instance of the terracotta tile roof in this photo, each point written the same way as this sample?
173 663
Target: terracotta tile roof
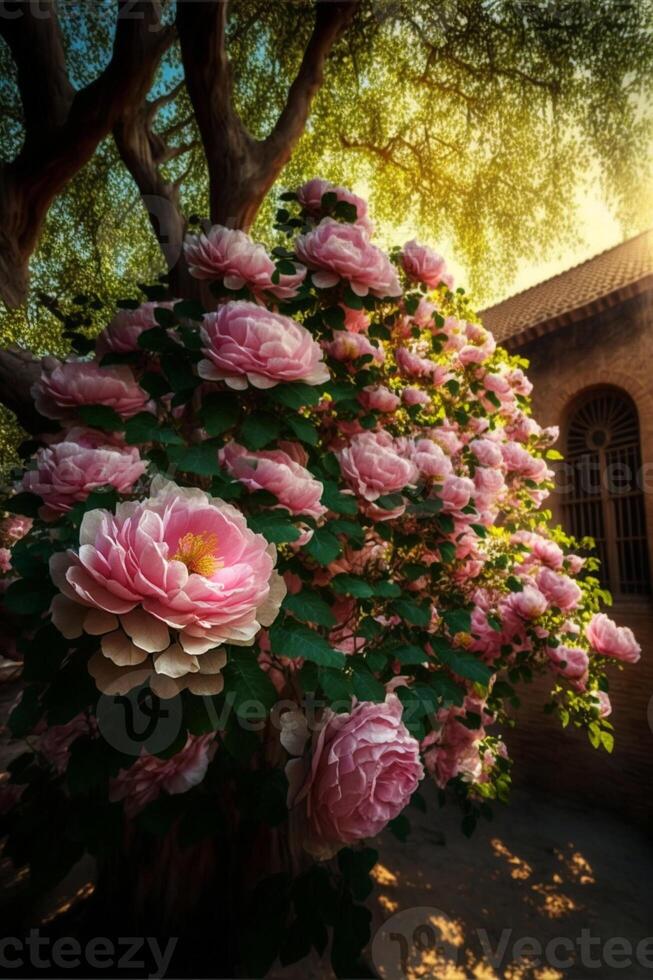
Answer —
586 289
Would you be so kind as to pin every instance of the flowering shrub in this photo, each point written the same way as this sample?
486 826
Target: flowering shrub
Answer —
321 502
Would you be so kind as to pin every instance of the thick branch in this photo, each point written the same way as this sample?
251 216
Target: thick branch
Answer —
18 372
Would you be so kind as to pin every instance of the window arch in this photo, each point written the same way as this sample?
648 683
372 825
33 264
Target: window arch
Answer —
604 498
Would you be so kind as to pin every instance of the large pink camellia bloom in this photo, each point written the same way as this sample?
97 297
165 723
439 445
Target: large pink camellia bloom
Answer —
150 776
247 344
372 465
423 264
165 581
121 335
363 770
336 251
311 193
63 388
611 640
275 471
231 255
68 471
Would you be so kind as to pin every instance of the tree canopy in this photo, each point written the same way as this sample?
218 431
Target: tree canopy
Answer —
480 117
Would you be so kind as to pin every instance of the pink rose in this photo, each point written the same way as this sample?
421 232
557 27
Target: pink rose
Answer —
378 398
247 344
487 452
335 251
274 470
63 388
231 255
15 527
423 264
364 768
311 193
5 561
347 346
412 365
603 706
55 742
68 471
121 335
356 321
414 396
571 662
149 776
611 640
431 461
372 465
560 590
456 493
181 561
518 460
528 604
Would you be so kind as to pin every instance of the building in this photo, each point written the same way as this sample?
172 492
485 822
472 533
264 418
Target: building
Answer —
588 334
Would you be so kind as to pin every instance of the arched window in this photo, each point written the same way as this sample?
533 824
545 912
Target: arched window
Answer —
604 498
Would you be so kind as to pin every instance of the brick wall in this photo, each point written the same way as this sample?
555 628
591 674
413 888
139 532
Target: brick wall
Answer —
614 348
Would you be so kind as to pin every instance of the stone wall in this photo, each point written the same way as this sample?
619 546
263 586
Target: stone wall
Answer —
614 348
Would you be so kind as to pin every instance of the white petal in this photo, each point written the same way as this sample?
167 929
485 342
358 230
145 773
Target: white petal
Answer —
173 662
269 610
197 644
115 680
204 684
121 651
165 687
146 631
68 616
98 621
212 662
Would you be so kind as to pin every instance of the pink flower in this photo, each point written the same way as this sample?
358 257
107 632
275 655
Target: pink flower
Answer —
611 640
311 193
423 264
347 346
487 452
356 321
5 561
518 460
67 472
412 365
121 335
431 460
149 776
63 388
231 255
414 396
378 398
247 344
275 471
528 604
604 706
571 662
335 251
456 493
55 742
15 527
181 561
548 552
372 465
364 768
560 590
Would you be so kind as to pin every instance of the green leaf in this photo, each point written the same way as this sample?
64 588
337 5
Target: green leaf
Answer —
340 390
101 417
389 501
462 662
336 685
179 372
246 682
25 504
154 384
339 503
310 608
400 827
458 621
303 429
366 686
274 526
352 585
410 655
447 550
220 412
387 590
143 428
158 340
27 713
295 395
258 430
201 458
351 299
412 612
28 596
189 309
293 640
324 547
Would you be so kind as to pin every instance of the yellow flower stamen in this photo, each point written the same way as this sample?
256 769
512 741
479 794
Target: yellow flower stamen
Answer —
197 551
